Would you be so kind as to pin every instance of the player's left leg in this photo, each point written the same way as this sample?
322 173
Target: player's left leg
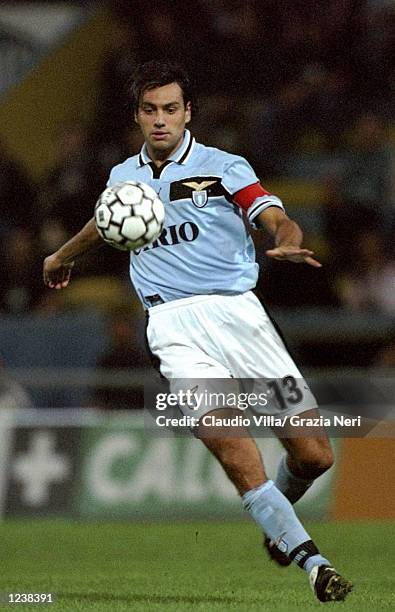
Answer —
309 455
238 454
307 458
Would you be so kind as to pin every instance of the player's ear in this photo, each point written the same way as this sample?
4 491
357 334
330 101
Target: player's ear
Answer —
188 112
135 118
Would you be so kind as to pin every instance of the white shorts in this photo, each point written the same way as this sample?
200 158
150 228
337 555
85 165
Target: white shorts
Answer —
227 344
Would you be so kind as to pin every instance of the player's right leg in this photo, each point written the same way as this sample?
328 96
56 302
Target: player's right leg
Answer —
307 457
238 454
236 451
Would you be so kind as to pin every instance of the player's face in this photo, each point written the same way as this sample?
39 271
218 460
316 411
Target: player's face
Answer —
162 116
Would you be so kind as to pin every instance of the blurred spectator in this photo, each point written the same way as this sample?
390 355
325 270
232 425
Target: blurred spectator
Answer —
176 30
277 127
371 285
359 195
12 393
113 114
367 179
339 215
215 124
238 43
70 190
20 272
374 54
385 358
309 32
166 33
287 287
126 352
327 105
18 194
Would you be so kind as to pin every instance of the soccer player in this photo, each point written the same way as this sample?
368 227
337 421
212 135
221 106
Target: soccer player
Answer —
197 283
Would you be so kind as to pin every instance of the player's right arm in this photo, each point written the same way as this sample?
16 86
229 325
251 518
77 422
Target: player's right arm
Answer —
57 267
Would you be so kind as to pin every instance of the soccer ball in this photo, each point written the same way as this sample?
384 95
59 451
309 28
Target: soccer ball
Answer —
129 215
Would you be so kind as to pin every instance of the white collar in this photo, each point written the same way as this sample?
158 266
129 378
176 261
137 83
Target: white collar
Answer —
180 156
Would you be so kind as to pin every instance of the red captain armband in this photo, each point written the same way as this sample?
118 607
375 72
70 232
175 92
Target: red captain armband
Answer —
247 196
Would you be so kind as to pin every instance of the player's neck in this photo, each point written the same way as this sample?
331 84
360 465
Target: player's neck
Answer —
159 157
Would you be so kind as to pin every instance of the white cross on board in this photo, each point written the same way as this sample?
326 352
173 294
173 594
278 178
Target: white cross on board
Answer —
39 467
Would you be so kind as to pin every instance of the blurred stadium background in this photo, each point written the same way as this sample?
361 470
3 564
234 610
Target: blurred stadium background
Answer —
305 90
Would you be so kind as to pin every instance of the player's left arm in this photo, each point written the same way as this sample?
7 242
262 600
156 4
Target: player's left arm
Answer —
263 208
287 235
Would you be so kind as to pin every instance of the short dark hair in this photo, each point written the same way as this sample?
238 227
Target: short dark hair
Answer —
156 74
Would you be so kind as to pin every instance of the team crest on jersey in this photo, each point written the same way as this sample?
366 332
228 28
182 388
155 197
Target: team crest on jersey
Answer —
200 198
199 193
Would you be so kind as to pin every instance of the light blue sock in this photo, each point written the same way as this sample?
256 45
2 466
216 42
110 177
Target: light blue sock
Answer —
276 516
291 486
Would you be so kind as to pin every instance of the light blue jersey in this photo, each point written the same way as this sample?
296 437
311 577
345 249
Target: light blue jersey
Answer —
205 247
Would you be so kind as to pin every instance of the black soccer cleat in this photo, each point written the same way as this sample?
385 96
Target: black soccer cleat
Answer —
328 585
275 553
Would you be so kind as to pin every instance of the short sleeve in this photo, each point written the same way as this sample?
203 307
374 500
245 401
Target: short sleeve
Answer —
238 174
246 191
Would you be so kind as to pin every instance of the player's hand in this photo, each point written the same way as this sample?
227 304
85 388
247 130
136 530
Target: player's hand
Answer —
56 274
295 254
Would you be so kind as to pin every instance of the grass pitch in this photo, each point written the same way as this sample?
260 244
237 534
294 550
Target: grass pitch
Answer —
186 566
